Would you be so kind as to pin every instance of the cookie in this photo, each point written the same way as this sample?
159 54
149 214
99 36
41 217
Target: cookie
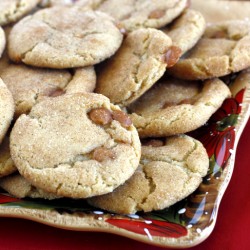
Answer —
6 109
29 85
19 187
138 64
134 14
224 49
186 30
64 37
2 41
169 171
175 106
13 10
75 145
7 166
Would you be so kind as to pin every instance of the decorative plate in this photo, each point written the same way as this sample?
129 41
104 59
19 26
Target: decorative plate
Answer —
184 224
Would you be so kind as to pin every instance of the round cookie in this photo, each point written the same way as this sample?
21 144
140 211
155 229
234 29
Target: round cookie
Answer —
169 171
138 64
224 49
64 37
2 41
6 109
134 14
6 164
175 106
19 187
186 30
75 145
12 10
29 85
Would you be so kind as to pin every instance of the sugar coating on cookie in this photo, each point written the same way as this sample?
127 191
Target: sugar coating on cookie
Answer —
175 106
19 187
64 37
12 10
30 85
75 145
224 49
138 64
134 14
2 41
169 171
186 30
7 166
6 109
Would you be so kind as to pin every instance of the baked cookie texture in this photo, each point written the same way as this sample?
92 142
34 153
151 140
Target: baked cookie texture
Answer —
19 187
224 49
7 166
169 170
75 145
2 41
176 106
6 109
64 37
138 64
134 14
13 10
186 30
30 85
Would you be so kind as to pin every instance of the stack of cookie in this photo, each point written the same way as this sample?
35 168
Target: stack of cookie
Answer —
86 83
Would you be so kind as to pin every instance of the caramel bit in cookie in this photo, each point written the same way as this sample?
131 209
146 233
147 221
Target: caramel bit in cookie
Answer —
102 154
123 118
156 14
186 101
220 34
172 56
100 116
168 104
154 143
57 92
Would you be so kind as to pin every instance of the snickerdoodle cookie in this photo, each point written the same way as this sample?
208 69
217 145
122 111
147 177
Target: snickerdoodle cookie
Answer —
29 85
12 10
138 64
169 170
64 37
186 30
176 106
6 109
75 146
7 166
224 49
134 14
19 187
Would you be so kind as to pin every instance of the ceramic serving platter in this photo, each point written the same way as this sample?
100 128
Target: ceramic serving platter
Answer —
185 224
190 221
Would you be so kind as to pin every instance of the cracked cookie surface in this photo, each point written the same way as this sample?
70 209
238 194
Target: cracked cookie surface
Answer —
224 49
166 174
186 30
6 109
2 41
136 66
134 14
64 37
176 106
12 10
19 187
7 166
29 85
75 146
